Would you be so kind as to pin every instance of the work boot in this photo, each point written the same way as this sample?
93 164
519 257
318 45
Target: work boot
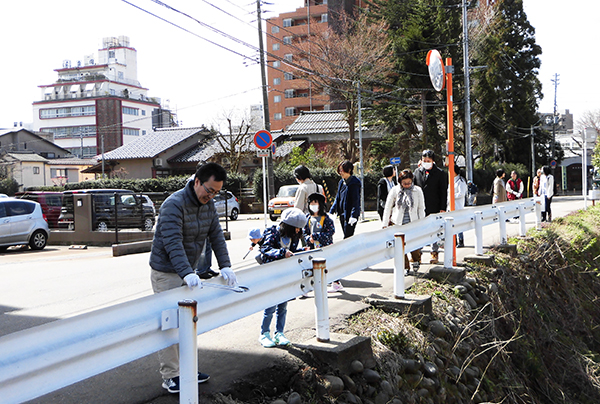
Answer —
434 258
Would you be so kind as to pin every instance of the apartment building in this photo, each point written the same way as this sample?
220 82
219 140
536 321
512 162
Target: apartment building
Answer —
97 105
289 95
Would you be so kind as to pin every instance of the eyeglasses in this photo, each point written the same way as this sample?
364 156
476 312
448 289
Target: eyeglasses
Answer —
209 192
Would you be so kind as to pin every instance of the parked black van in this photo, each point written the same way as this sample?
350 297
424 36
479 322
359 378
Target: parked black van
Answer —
130 211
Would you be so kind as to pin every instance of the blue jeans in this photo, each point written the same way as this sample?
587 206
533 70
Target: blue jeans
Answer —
268 315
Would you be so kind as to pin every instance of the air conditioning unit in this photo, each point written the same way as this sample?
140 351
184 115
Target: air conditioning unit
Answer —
157 162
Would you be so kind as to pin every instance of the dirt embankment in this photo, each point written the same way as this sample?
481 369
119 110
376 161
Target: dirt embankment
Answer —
525 331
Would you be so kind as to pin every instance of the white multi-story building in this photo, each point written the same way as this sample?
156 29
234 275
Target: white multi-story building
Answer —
99 105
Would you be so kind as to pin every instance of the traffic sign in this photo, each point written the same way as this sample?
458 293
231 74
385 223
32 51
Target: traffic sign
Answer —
262 153
437 73
553 163
273 148
395 160
263 139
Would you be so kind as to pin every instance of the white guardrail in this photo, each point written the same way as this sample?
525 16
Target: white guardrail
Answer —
43 359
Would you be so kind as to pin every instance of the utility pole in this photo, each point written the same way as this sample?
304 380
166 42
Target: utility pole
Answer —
468 151
555 80
360 147
270 176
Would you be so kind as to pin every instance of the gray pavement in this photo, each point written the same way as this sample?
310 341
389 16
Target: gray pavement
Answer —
38 287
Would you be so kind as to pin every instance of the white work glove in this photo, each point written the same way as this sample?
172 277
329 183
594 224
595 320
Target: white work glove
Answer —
518 194
192 280
229 276
352 221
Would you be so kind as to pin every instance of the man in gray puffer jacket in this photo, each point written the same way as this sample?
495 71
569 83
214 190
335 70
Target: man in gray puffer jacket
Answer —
186 220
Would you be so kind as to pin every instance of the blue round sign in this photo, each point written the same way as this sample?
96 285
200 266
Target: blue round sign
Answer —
553 163
263 139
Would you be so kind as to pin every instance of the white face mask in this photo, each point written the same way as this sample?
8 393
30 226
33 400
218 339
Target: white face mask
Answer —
427 166
313 208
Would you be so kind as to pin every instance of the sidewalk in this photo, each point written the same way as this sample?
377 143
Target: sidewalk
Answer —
232 355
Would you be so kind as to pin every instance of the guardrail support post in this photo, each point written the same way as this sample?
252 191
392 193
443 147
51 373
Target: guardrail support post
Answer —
479 232
321 303
188 352
522 228
502 223
448 242
399 251
538 213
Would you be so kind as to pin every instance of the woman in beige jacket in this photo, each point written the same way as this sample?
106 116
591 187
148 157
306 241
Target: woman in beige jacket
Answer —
405 203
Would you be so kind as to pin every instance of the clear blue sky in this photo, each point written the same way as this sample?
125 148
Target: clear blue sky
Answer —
202 80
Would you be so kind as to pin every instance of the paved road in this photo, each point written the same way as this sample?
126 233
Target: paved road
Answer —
38 287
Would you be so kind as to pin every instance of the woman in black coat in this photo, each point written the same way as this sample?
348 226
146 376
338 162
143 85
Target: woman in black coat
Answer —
383 187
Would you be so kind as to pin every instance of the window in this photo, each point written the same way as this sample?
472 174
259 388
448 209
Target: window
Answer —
276 46
131 132
277 116
288 76
287 40
112 91
58 172
71 131
143 112
36 170
120 75
289 93
287 22
274 29
49 113
323 17
277 98
288 57
290 111
143 132
111 54
276 63
130 111
276 81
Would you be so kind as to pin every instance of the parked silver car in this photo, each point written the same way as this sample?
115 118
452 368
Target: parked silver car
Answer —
233 206
22 222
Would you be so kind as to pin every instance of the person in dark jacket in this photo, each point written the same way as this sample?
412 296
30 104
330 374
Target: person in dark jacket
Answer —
187 219
384 186
347 201
434 184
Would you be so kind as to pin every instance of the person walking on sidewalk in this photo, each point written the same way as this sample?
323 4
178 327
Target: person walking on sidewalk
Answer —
280 242
432 180
187 219
547 192
514 187
405 204
460 193
498 187
384 186
307 187
346 204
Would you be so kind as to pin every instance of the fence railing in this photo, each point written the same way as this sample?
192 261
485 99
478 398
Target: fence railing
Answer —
43 359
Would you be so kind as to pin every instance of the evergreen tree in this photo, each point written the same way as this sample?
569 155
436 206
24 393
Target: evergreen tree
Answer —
415 28
506 92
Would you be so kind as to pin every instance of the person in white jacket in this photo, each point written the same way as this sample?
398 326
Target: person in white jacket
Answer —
405 203
460 193
546 192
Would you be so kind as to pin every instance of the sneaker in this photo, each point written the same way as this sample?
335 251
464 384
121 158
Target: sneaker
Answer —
281 340
266 341
336 286
172 385
416 266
